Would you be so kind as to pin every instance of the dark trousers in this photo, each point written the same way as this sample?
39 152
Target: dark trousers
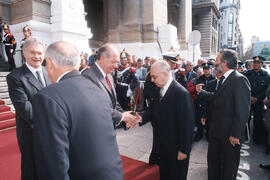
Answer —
222 159
154 157
259 132
122 98
11 61
25 142
172 169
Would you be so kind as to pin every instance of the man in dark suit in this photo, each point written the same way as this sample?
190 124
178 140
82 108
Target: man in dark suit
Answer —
173 113
23 84
100 74
190 74
231 106
74 138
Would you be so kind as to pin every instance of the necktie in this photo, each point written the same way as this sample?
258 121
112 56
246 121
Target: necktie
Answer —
160 94
39 78
108 82
220 82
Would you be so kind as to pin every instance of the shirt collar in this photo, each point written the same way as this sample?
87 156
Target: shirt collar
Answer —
33 70
226 74
102 72
165 88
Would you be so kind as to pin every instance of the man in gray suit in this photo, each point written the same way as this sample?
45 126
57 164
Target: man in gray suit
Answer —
100 74
231 106
74 138
23 84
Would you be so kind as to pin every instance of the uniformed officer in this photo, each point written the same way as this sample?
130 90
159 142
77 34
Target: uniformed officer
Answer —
27 34
203 79
173 59
240 67
126 81
10 45
259 80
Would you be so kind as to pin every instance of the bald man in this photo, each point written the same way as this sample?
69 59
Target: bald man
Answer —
74 138
172 117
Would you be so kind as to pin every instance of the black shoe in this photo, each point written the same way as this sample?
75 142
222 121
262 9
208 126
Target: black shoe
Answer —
265 166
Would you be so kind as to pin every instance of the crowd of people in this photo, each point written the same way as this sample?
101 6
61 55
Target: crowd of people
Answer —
67 112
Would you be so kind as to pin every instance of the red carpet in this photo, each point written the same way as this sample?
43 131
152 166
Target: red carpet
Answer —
10 161
7 116
134 169
2 102
9 155
4 108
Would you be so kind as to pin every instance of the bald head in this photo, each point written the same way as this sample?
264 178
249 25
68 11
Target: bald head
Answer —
107 58
160 73
63 54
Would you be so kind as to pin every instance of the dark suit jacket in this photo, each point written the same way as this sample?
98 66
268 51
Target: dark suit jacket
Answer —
94 75
73 135
173 119
22 86
231 106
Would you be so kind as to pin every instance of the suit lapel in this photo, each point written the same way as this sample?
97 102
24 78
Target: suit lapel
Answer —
103 81
165 97
46 77
31 78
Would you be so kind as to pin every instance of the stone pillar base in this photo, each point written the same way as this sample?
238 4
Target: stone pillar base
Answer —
140 49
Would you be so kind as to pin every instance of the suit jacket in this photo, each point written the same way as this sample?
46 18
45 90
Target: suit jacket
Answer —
173 118
22 86
73 135
94 75
231 106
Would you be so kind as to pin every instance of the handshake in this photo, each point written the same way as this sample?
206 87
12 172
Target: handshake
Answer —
131 119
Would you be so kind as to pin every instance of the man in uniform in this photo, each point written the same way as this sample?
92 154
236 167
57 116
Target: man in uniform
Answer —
178 74
126 81
10 46
259 80
203 79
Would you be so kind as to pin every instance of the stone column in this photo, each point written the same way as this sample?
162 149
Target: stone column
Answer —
68 23
185 22
134 25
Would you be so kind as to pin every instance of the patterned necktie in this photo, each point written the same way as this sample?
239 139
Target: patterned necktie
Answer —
39 78
220 82
108 82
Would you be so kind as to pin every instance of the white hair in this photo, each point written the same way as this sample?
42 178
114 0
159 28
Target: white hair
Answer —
60 56
162 65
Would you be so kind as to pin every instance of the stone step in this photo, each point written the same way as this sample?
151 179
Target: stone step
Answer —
3 74
7 101
2 79
3 89
3 84
4 95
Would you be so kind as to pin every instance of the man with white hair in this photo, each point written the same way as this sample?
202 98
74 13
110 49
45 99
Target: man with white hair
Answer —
172 117
23 83
74 136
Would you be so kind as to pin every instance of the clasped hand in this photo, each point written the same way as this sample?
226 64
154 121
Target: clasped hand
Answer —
130 119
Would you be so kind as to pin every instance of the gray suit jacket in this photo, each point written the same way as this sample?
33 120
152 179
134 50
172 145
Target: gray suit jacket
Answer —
231 106
94 75
74 138
22 86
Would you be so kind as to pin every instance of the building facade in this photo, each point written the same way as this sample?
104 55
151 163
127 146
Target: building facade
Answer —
205 19
229 31
143 27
